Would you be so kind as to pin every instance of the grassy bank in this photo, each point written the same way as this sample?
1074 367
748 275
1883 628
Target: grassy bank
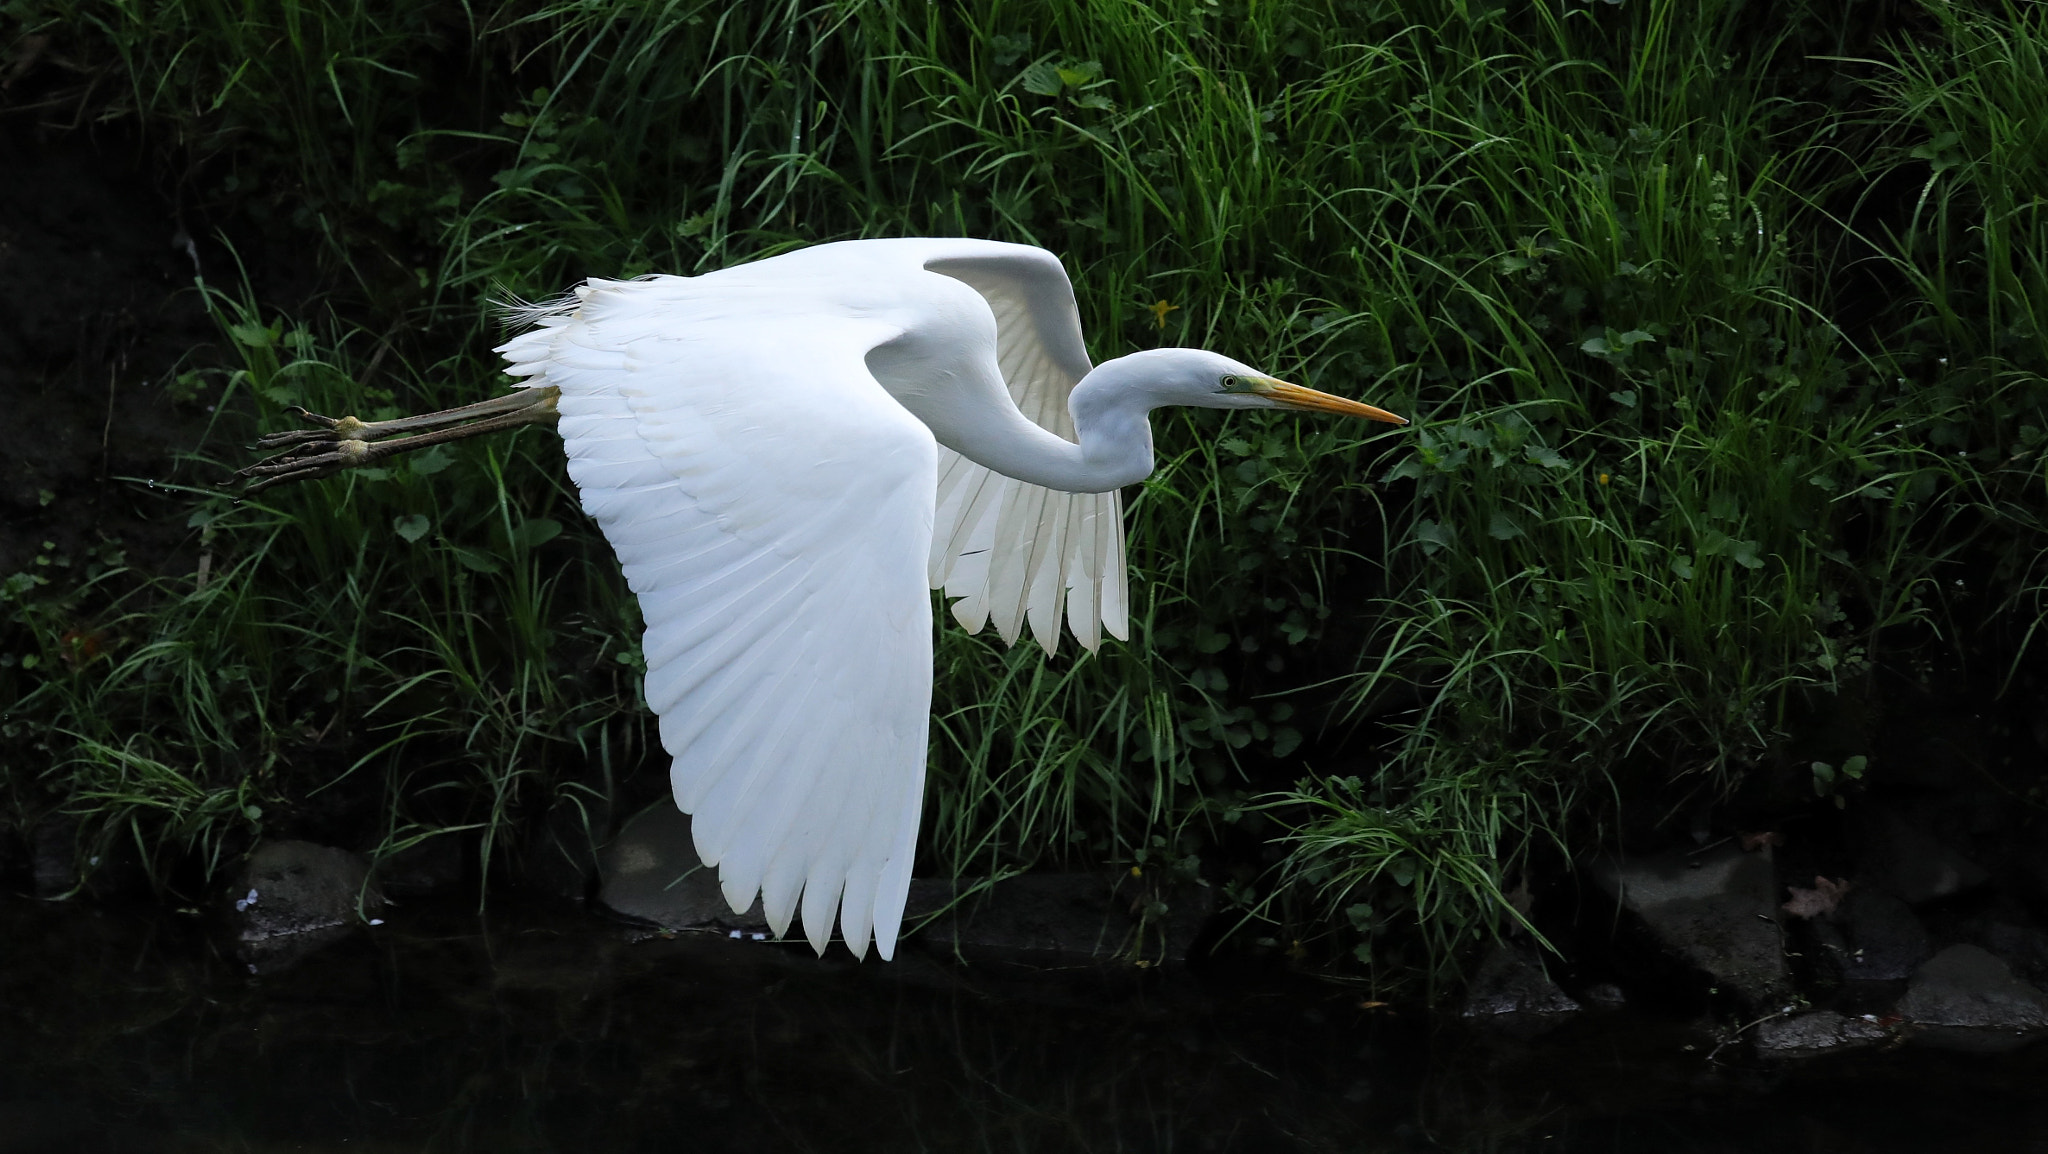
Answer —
1722 327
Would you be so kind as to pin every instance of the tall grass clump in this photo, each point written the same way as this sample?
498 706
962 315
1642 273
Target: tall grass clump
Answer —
1963 255
1661 503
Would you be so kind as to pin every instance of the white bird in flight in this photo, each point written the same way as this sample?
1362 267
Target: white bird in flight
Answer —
786 455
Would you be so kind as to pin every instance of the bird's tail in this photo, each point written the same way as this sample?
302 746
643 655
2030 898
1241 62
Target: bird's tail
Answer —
517 313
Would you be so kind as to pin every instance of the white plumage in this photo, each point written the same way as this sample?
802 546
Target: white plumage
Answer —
785 455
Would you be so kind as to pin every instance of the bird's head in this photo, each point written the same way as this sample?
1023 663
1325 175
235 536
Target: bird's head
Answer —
1201 379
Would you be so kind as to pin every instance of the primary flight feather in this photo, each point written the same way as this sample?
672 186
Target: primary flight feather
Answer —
785 455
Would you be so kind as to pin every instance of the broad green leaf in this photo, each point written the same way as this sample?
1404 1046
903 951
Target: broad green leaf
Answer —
475 560
1434 536
431 461
1042 78
535 532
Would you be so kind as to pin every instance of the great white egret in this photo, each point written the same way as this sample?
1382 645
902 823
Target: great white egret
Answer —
786 455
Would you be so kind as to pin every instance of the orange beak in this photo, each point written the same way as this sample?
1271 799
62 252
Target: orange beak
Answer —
1310 400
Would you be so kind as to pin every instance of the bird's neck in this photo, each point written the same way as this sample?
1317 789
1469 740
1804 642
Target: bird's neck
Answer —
970 412
1115 446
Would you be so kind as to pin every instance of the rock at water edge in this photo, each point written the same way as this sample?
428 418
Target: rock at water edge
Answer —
651 871
1716 911
1811 1035
1966 998
294 897
1512 993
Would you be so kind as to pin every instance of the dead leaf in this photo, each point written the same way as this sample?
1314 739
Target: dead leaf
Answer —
1822 899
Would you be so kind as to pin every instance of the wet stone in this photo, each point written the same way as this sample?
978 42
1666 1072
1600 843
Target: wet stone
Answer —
1605 996
1811 1035
1884 940
294 897
1966 998
1512 993
1716 911
1830 948
651 871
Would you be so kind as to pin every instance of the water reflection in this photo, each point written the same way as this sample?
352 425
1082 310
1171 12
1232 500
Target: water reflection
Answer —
547 1032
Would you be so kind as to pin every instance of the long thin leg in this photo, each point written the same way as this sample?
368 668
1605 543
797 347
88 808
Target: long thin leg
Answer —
347 442
355 429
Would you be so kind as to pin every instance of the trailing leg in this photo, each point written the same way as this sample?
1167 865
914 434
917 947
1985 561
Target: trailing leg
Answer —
347 442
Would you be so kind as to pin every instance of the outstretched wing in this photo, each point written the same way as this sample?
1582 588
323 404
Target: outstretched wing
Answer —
1004 548
772 508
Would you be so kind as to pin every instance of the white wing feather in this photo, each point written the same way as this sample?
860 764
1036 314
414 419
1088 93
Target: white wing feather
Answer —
772 507
1010 550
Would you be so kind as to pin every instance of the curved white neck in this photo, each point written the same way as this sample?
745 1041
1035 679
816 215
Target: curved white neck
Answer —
979 421
1115 448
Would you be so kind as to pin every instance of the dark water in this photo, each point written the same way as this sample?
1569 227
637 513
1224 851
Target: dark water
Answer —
552 1032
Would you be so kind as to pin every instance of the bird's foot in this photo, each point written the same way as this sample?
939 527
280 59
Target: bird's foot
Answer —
311 456
330 429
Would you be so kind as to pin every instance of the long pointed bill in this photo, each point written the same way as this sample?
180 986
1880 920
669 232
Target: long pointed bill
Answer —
1310 400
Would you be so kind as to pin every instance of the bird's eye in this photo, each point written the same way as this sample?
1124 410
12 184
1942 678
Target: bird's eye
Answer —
1232 384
